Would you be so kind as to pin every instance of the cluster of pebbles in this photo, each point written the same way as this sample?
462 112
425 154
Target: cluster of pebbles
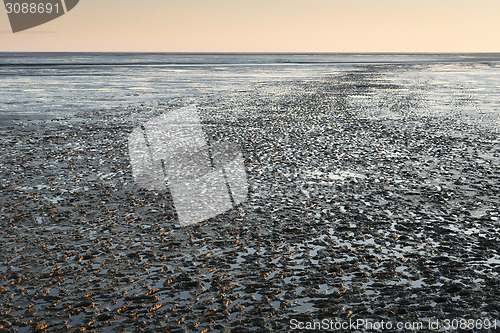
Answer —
351 214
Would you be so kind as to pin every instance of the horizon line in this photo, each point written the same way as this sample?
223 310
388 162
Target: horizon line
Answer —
273 53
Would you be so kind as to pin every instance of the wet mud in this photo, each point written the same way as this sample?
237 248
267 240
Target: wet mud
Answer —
363 203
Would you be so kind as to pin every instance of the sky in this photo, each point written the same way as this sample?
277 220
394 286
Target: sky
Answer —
265 26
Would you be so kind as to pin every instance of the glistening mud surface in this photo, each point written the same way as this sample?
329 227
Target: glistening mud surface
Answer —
364 204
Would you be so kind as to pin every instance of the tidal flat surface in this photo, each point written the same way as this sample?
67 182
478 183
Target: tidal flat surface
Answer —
373 195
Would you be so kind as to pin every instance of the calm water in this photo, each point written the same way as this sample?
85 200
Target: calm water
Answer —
36 85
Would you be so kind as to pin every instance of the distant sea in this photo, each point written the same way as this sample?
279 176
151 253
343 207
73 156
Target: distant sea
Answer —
40 85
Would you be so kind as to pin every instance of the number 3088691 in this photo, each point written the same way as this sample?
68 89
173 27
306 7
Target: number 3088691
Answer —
32 8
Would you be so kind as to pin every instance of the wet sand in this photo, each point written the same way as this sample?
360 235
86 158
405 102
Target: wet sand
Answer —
352 214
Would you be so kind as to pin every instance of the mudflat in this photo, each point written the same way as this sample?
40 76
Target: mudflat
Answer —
364 203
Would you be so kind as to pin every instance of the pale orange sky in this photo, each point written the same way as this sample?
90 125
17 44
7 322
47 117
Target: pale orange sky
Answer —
266 26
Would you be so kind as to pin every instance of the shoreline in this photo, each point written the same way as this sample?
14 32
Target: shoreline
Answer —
351 214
